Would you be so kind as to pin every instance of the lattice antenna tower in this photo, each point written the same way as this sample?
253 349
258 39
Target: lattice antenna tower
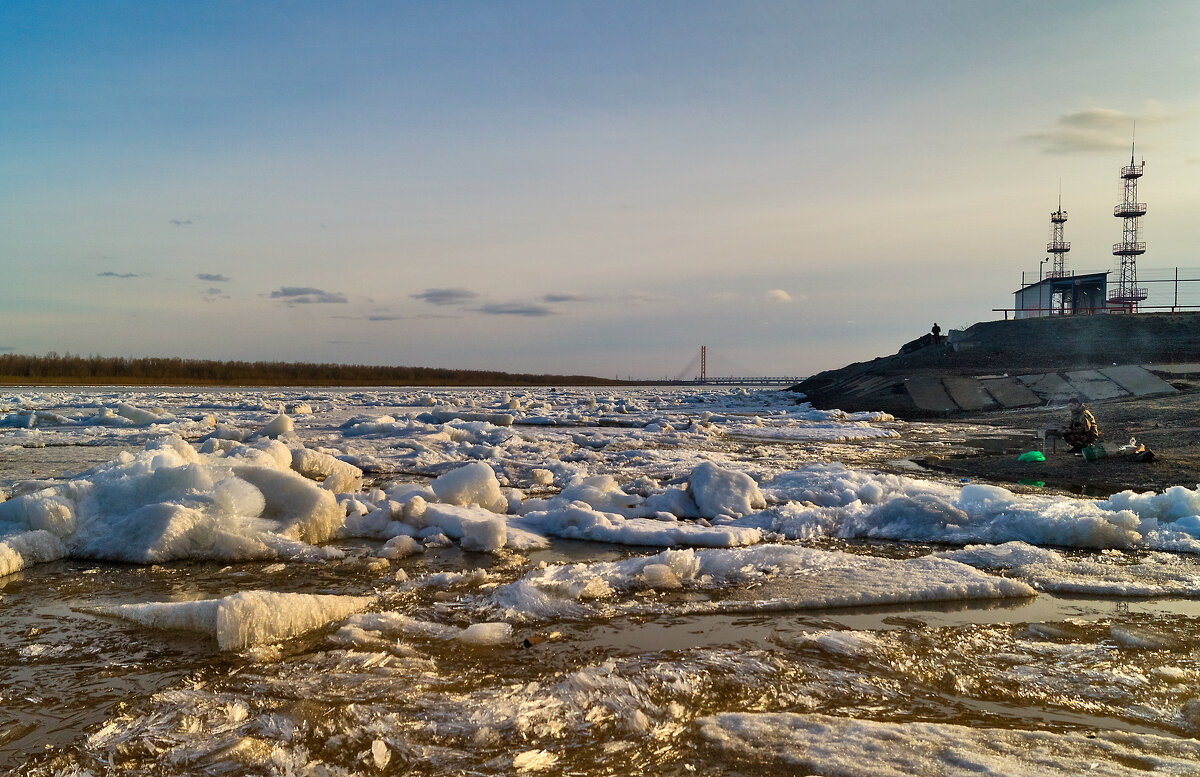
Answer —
704 364
1128 294
1057 247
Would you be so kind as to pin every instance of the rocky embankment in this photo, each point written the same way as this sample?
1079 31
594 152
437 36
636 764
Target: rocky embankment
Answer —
1027 363
1140 375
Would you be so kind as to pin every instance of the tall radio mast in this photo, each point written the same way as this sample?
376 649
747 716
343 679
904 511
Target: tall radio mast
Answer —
1127 294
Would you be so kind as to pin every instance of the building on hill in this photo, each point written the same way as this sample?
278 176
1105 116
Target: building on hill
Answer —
1062 293
1064 296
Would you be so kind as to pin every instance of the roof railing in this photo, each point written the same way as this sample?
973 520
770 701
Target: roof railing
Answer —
1128 249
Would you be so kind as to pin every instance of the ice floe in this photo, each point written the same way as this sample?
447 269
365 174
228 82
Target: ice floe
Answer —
245 619
276 497
783 577
833 500
373 629
1048 570
171 502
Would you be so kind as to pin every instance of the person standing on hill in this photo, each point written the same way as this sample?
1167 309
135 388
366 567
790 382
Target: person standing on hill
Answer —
1082 429
936 332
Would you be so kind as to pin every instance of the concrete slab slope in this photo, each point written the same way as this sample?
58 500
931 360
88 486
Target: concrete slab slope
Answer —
1138 381
1093 385
968 393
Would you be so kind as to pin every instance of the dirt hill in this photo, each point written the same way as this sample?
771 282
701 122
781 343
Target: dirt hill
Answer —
1065 346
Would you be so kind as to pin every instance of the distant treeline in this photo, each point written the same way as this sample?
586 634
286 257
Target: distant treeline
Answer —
69 369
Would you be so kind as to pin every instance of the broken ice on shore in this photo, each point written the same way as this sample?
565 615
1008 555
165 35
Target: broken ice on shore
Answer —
443 524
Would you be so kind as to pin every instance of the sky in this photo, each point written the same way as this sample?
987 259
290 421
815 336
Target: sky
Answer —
572 187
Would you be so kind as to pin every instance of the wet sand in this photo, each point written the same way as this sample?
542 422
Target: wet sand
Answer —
1169 426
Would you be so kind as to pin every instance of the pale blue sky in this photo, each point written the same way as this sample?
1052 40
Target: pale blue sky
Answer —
570 187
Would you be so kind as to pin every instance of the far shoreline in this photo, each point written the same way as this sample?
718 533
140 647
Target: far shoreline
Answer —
67 370
115 383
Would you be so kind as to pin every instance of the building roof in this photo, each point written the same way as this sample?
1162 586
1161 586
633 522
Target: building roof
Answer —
1072 279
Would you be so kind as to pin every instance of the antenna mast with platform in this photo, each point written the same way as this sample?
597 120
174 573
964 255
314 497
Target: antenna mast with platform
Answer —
1058 248
1127 295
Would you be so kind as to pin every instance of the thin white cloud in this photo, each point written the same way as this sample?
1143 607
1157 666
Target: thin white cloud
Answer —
778 296
1095 129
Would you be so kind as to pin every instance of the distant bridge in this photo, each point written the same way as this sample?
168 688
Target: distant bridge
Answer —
700 362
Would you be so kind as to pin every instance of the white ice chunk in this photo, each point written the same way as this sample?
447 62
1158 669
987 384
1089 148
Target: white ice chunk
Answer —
139 416
23 550
600 492
1048 570
370 627
534 760
832 500
845 643
660 577
245 619
719 491
45 510
338 476
674 501
277 426
486 634
791 577
523 540
475 528
473 484
1141 637
444 415
380 754
171 502
401 546
580 522
301 509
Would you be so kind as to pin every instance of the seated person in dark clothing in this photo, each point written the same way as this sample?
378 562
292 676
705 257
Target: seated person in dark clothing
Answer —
1082 429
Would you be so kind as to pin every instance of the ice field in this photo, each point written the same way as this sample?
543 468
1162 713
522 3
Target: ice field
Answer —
569 581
